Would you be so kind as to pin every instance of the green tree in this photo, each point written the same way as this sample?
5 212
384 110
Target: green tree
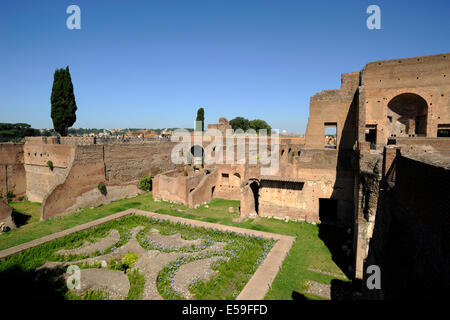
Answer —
63 101
260 124
145 183
201 117
16 131
240 123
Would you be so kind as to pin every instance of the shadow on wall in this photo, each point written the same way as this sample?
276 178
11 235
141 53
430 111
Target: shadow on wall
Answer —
335 213
410 241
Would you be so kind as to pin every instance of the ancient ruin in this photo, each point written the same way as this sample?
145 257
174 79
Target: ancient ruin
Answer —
384 174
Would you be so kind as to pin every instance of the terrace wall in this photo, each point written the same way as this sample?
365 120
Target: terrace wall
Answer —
410 240
12 171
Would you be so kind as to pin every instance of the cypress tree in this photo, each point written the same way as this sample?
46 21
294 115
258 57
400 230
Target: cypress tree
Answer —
63 101
201 117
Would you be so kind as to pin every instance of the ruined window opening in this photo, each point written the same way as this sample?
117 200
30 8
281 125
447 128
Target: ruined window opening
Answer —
236 179
443 131
327 210
330 135
286 185
371 135
225 178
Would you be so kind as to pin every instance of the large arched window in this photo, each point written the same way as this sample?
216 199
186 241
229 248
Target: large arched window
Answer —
236 179
197 151
407 116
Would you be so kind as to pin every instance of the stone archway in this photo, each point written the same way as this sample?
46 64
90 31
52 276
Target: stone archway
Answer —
407 116
254 186
197 153
236 179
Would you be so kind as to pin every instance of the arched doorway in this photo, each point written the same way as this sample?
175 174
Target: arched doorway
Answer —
197 153
236 179
255 189
407 116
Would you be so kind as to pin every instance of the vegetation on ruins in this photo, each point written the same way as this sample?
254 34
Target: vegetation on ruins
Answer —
137 283
308 251
243 254
9 195
201 117
124 264
88 295
102 188
50 165
145 183
63 105
245 124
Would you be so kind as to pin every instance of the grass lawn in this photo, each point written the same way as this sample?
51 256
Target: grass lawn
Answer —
308 251
235 264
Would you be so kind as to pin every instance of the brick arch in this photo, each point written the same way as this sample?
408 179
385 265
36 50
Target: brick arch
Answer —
235 179
406 115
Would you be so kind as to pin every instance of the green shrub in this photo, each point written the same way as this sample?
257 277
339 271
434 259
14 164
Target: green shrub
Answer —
50 165
130 258
21 198
9 196
185 173
145 183
102 188
126 263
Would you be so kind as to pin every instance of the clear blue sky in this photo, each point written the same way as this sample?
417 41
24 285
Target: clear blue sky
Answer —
153 63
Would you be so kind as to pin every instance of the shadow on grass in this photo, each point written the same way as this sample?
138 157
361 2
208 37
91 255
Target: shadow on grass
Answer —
341 290
44 284
297 296
20 218
211 219
334 237
130 205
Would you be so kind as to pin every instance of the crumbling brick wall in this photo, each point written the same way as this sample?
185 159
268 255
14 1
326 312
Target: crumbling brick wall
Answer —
382 81
12 171
410 242
118 166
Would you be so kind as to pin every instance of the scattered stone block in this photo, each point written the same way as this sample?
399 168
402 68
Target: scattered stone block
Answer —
318 289
6 221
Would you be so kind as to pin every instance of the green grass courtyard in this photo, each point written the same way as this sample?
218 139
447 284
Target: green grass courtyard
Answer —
309 252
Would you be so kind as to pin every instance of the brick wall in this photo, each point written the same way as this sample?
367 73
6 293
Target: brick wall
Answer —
410 242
